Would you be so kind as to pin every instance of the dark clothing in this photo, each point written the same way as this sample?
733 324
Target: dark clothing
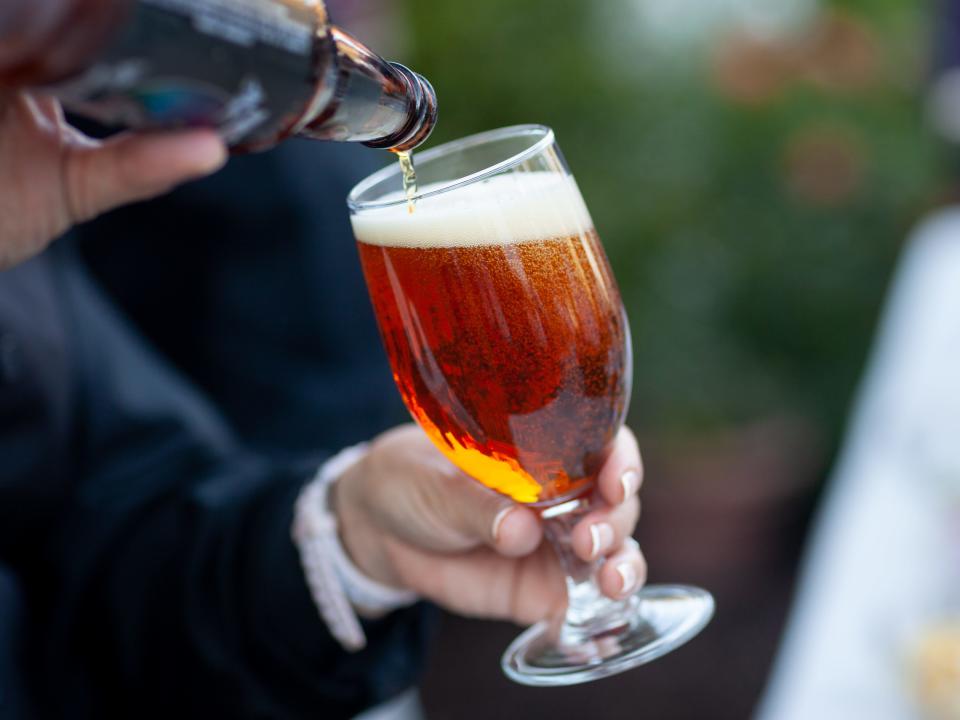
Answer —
143 543
12 686
946 46
250 282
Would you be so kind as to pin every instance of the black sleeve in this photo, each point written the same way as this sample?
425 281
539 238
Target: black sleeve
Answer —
180 592
250 283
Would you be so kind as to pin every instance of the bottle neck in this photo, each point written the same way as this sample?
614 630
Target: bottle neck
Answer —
364 98
261 81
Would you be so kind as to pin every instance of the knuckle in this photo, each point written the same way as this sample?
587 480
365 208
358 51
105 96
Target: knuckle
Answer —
628 438
625 517
642 569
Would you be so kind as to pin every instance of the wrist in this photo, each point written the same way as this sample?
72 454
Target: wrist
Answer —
361 537
339 588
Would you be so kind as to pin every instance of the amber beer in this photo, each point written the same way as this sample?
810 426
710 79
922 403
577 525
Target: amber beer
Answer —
504 327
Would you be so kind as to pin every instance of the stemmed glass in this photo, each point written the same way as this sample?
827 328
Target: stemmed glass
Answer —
510 346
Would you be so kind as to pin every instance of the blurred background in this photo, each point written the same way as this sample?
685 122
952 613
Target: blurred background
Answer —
753 167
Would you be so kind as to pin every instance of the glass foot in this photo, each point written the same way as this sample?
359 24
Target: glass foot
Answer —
659 618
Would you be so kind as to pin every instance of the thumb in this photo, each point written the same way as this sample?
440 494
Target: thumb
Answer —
133 167
490 518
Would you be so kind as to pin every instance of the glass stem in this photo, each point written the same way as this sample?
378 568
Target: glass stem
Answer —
589 612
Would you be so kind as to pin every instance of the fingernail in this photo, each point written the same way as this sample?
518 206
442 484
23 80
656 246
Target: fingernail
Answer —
628 578
498 521
601 538
630 482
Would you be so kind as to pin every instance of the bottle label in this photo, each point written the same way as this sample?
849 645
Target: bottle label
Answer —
245 67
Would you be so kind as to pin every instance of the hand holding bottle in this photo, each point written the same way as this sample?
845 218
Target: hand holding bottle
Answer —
52 176
256 72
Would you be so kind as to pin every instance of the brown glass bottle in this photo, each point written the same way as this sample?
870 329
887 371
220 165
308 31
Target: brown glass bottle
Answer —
257 70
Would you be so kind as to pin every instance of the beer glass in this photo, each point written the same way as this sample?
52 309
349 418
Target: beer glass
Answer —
510 346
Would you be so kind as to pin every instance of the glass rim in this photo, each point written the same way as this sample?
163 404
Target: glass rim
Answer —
545 138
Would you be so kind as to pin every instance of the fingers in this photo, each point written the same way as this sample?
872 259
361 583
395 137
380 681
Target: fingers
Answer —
604 530
622 474
515 531
485 516
419 496
43 110
607 530
135 167
623 572
485 584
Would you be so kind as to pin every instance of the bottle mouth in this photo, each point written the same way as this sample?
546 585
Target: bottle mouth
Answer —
423 115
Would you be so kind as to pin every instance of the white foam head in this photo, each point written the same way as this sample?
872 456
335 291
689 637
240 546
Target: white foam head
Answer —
506 209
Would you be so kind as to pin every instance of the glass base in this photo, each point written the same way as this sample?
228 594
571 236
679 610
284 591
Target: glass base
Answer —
659 618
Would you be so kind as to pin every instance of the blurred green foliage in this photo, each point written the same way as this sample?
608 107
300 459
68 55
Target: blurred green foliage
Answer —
752 194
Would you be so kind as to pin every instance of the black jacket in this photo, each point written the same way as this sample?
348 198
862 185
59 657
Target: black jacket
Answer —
163 397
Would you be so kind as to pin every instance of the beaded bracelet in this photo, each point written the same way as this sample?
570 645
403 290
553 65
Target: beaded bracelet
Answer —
336 584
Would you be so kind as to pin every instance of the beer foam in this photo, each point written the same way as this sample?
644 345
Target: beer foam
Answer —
505 209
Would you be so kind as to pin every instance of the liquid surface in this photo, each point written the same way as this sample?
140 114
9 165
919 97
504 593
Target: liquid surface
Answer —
505 331
505 210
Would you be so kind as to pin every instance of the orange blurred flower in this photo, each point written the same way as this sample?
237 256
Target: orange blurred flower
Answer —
824 165
749 70
841 52
837 52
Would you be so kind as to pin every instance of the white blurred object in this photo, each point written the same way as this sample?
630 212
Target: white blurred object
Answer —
943 105
404 707
936 657
680 22
882 564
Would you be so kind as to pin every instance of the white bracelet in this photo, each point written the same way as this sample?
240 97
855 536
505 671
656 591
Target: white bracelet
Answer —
336 584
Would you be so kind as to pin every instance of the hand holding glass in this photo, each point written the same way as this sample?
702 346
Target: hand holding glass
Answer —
510 346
